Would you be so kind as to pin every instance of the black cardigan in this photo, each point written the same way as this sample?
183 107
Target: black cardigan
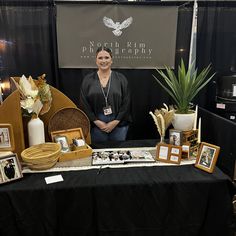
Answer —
93 101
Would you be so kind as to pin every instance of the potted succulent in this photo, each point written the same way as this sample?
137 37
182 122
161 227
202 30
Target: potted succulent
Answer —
182 88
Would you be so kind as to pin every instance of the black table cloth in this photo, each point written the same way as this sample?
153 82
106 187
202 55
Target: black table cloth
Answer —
161 200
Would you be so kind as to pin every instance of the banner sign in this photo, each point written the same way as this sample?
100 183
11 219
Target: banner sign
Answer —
139 36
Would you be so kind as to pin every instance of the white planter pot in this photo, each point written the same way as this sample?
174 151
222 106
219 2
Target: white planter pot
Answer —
183 122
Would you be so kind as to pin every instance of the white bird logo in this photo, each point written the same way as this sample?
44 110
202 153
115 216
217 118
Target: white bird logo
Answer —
117 26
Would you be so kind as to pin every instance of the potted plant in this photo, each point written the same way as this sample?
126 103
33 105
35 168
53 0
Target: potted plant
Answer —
182 88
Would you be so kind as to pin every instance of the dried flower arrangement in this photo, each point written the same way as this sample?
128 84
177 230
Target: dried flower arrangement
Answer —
163 118
35 95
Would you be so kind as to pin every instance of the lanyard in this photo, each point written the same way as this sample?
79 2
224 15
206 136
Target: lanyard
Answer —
108 90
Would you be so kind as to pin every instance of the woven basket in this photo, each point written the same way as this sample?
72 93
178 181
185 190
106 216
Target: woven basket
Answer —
42 156
78 119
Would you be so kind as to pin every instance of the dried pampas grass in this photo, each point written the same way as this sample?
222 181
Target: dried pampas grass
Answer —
163 118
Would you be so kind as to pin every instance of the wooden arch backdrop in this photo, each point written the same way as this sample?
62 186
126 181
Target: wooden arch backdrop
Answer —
10 112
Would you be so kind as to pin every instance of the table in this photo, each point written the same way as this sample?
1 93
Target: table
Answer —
160 200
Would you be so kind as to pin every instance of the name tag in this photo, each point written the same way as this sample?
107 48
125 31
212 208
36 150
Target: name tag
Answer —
107 110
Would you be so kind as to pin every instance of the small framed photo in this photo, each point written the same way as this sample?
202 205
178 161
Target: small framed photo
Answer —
10 168
6 137
207 157
169 153
62 140
162 153
186 151
175 154
175 137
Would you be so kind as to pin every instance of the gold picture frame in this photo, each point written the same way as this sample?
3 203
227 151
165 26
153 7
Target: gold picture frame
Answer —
10 168
207 157
169 153
6 137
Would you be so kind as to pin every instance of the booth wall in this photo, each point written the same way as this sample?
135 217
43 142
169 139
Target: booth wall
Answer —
29 31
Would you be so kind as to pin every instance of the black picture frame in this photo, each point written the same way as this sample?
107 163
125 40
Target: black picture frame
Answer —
10 168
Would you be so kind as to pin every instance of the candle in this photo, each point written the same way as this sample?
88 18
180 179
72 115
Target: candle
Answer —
195 118
199 131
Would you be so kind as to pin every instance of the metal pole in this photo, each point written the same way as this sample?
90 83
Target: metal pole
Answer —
193 42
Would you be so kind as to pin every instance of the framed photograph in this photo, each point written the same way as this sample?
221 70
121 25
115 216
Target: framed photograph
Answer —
10 168
62 140
175 137
6 137
175 154
162 152
186 151
207 157
169 153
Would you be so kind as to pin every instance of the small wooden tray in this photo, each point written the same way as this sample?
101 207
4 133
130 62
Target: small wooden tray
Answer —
81 152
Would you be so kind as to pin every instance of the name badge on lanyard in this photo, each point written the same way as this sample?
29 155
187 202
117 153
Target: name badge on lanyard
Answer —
107 110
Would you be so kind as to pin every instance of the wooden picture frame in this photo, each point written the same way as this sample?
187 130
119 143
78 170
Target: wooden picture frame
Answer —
6 137
175 137
10 168
185 151
207 157
169 153
175 154
62 140
162 153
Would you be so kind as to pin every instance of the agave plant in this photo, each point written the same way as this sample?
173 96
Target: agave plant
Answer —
185 86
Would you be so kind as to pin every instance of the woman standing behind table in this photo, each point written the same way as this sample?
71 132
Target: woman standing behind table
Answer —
105 99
